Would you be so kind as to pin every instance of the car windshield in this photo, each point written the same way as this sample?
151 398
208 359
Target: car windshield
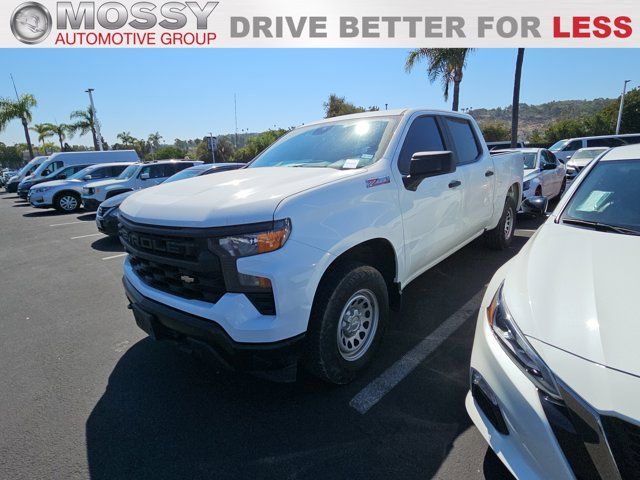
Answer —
128 172
344 144
608 198
588 154
556 147
529 160
27 169
187 173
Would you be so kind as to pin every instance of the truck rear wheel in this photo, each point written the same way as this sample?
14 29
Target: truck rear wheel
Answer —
500 237
348 319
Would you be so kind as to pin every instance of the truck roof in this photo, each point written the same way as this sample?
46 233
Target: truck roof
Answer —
388 113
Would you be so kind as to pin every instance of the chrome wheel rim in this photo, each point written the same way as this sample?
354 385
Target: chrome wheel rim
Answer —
358 325
68 203
508 224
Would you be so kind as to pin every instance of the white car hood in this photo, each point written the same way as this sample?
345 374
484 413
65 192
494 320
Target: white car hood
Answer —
580 162
529 174
105 183
59 183
575 289
235 197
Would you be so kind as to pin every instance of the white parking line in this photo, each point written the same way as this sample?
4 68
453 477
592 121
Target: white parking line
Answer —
64 224
373 393
115 256
87 236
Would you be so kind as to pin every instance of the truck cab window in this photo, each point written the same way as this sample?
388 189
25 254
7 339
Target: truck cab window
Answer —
423 136
464 140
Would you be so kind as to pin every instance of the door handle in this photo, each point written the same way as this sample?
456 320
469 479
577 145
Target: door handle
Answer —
455 183
488 173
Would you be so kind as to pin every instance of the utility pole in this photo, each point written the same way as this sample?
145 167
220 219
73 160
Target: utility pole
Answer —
235 108
95 118
624 91
212 145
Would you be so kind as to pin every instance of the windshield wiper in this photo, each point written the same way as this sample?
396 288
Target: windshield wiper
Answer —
601 227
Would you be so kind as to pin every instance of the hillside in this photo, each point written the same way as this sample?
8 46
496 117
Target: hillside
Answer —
537 117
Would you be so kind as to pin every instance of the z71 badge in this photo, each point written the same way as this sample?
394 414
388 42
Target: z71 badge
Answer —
374 182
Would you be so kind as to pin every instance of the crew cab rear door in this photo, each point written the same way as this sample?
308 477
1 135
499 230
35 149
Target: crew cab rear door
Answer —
431 212
476 171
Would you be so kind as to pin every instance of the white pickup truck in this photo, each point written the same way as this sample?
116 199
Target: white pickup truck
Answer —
299 257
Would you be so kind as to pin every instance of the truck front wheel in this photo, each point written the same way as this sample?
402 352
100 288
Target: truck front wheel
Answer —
500 237
348 320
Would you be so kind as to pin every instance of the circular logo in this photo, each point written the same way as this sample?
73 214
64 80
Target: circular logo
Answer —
31 23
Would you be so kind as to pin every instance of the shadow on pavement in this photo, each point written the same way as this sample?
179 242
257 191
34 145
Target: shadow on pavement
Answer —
107 244
44 213
87 217
22 205
166 415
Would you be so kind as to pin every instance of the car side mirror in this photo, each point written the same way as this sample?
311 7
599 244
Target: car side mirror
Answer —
62 176
549 166
144 176
428 164
535 206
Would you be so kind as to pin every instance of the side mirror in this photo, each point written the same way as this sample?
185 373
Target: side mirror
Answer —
144 176
549 166
62 176
88 177
535 206
428 164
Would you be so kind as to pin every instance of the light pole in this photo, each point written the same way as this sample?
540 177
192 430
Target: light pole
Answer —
624 91
96 124
212 146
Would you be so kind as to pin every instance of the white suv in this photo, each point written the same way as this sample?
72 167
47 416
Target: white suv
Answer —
300 255
135 177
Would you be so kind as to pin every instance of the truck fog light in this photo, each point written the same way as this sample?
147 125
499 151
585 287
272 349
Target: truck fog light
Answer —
253 281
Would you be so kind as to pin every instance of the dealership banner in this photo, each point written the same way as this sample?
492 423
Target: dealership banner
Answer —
321 23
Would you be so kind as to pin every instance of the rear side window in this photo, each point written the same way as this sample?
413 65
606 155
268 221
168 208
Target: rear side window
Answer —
116 170
573 146
423 136
178 167
464 140
100 173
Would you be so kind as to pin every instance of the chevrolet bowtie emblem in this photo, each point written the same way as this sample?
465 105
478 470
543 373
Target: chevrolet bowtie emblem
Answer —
187 279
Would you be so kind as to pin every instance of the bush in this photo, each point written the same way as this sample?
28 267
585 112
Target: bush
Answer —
168 153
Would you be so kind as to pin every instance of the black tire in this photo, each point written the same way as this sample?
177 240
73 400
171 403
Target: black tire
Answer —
538 192
346 284
500 237
67 202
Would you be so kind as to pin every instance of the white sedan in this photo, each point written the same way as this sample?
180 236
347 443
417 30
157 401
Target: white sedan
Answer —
544 175
581 159
555 368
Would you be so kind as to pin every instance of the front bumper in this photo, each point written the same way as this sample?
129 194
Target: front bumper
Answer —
108 225
276 360
23 193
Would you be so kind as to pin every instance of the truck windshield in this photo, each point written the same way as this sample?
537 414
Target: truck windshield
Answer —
345 144
608 198
128 172
556 147
529 160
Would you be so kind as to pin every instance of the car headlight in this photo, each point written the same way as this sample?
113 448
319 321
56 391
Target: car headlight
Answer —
41 189
254 243
526 185
518 348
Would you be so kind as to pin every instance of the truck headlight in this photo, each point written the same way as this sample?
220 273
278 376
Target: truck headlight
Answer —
518 348
254 243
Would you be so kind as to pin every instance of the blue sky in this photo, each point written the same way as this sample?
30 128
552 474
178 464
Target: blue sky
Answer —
185 93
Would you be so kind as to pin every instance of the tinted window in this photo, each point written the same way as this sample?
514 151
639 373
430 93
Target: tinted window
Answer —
116 170
52 168
154 171
573 146
178 167
464 140
99 173
548 157
423 136
632 140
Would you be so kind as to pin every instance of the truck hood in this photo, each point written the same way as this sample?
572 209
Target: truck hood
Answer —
575 289
235 197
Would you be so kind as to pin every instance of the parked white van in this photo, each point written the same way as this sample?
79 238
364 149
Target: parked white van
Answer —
63 159
12 184
564 149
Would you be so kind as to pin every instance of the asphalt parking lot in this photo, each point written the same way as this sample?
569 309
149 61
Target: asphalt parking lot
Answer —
84 393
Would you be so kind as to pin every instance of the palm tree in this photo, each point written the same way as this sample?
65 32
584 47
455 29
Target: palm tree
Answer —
18 110
61 131
515 107
154 141
126 138
44 131
85 124
446 64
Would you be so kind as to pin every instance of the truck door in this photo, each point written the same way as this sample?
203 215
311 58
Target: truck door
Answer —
431 213
477 173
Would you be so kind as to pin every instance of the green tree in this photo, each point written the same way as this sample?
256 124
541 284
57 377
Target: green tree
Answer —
630 113
19 109
126 139
44 131
61 131
515 105
85 123
337 106
495 131
169 153
445 64
9 156
257 144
